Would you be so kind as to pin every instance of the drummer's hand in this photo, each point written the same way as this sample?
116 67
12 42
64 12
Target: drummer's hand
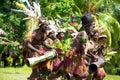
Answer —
40 52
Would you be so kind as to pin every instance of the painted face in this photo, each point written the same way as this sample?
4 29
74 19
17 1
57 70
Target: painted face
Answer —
61 35
90 28
92 25
103 41
44 29
95 36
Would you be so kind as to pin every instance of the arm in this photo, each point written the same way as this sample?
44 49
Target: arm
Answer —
48 43
88 46
33 48
28 42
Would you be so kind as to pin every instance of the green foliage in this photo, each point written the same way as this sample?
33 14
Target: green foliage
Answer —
83 39
13 25
94 6
112 69
64 45
113 66
116 13
113 26
117 1
82 5
52 8
10 60
112 30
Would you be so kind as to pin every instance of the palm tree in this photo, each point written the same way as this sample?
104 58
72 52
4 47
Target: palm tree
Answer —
103 8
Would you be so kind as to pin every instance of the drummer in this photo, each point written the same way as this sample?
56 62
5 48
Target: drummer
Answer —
37 46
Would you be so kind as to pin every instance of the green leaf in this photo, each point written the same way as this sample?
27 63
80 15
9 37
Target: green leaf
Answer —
112 25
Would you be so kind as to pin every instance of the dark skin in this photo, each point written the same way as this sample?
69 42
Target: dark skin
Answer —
48 44
38 37
95 35
91 46
77 50
93 40
102 41
89 28
99 53
79 45
60 36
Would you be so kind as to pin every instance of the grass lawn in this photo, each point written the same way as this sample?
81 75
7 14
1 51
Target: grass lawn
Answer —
18 73
112 77
21 73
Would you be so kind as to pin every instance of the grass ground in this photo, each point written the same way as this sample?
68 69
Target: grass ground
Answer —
112 77
21 73
18 73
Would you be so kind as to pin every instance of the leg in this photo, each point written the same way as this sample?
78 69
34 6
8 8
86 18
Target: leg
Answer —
34 75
